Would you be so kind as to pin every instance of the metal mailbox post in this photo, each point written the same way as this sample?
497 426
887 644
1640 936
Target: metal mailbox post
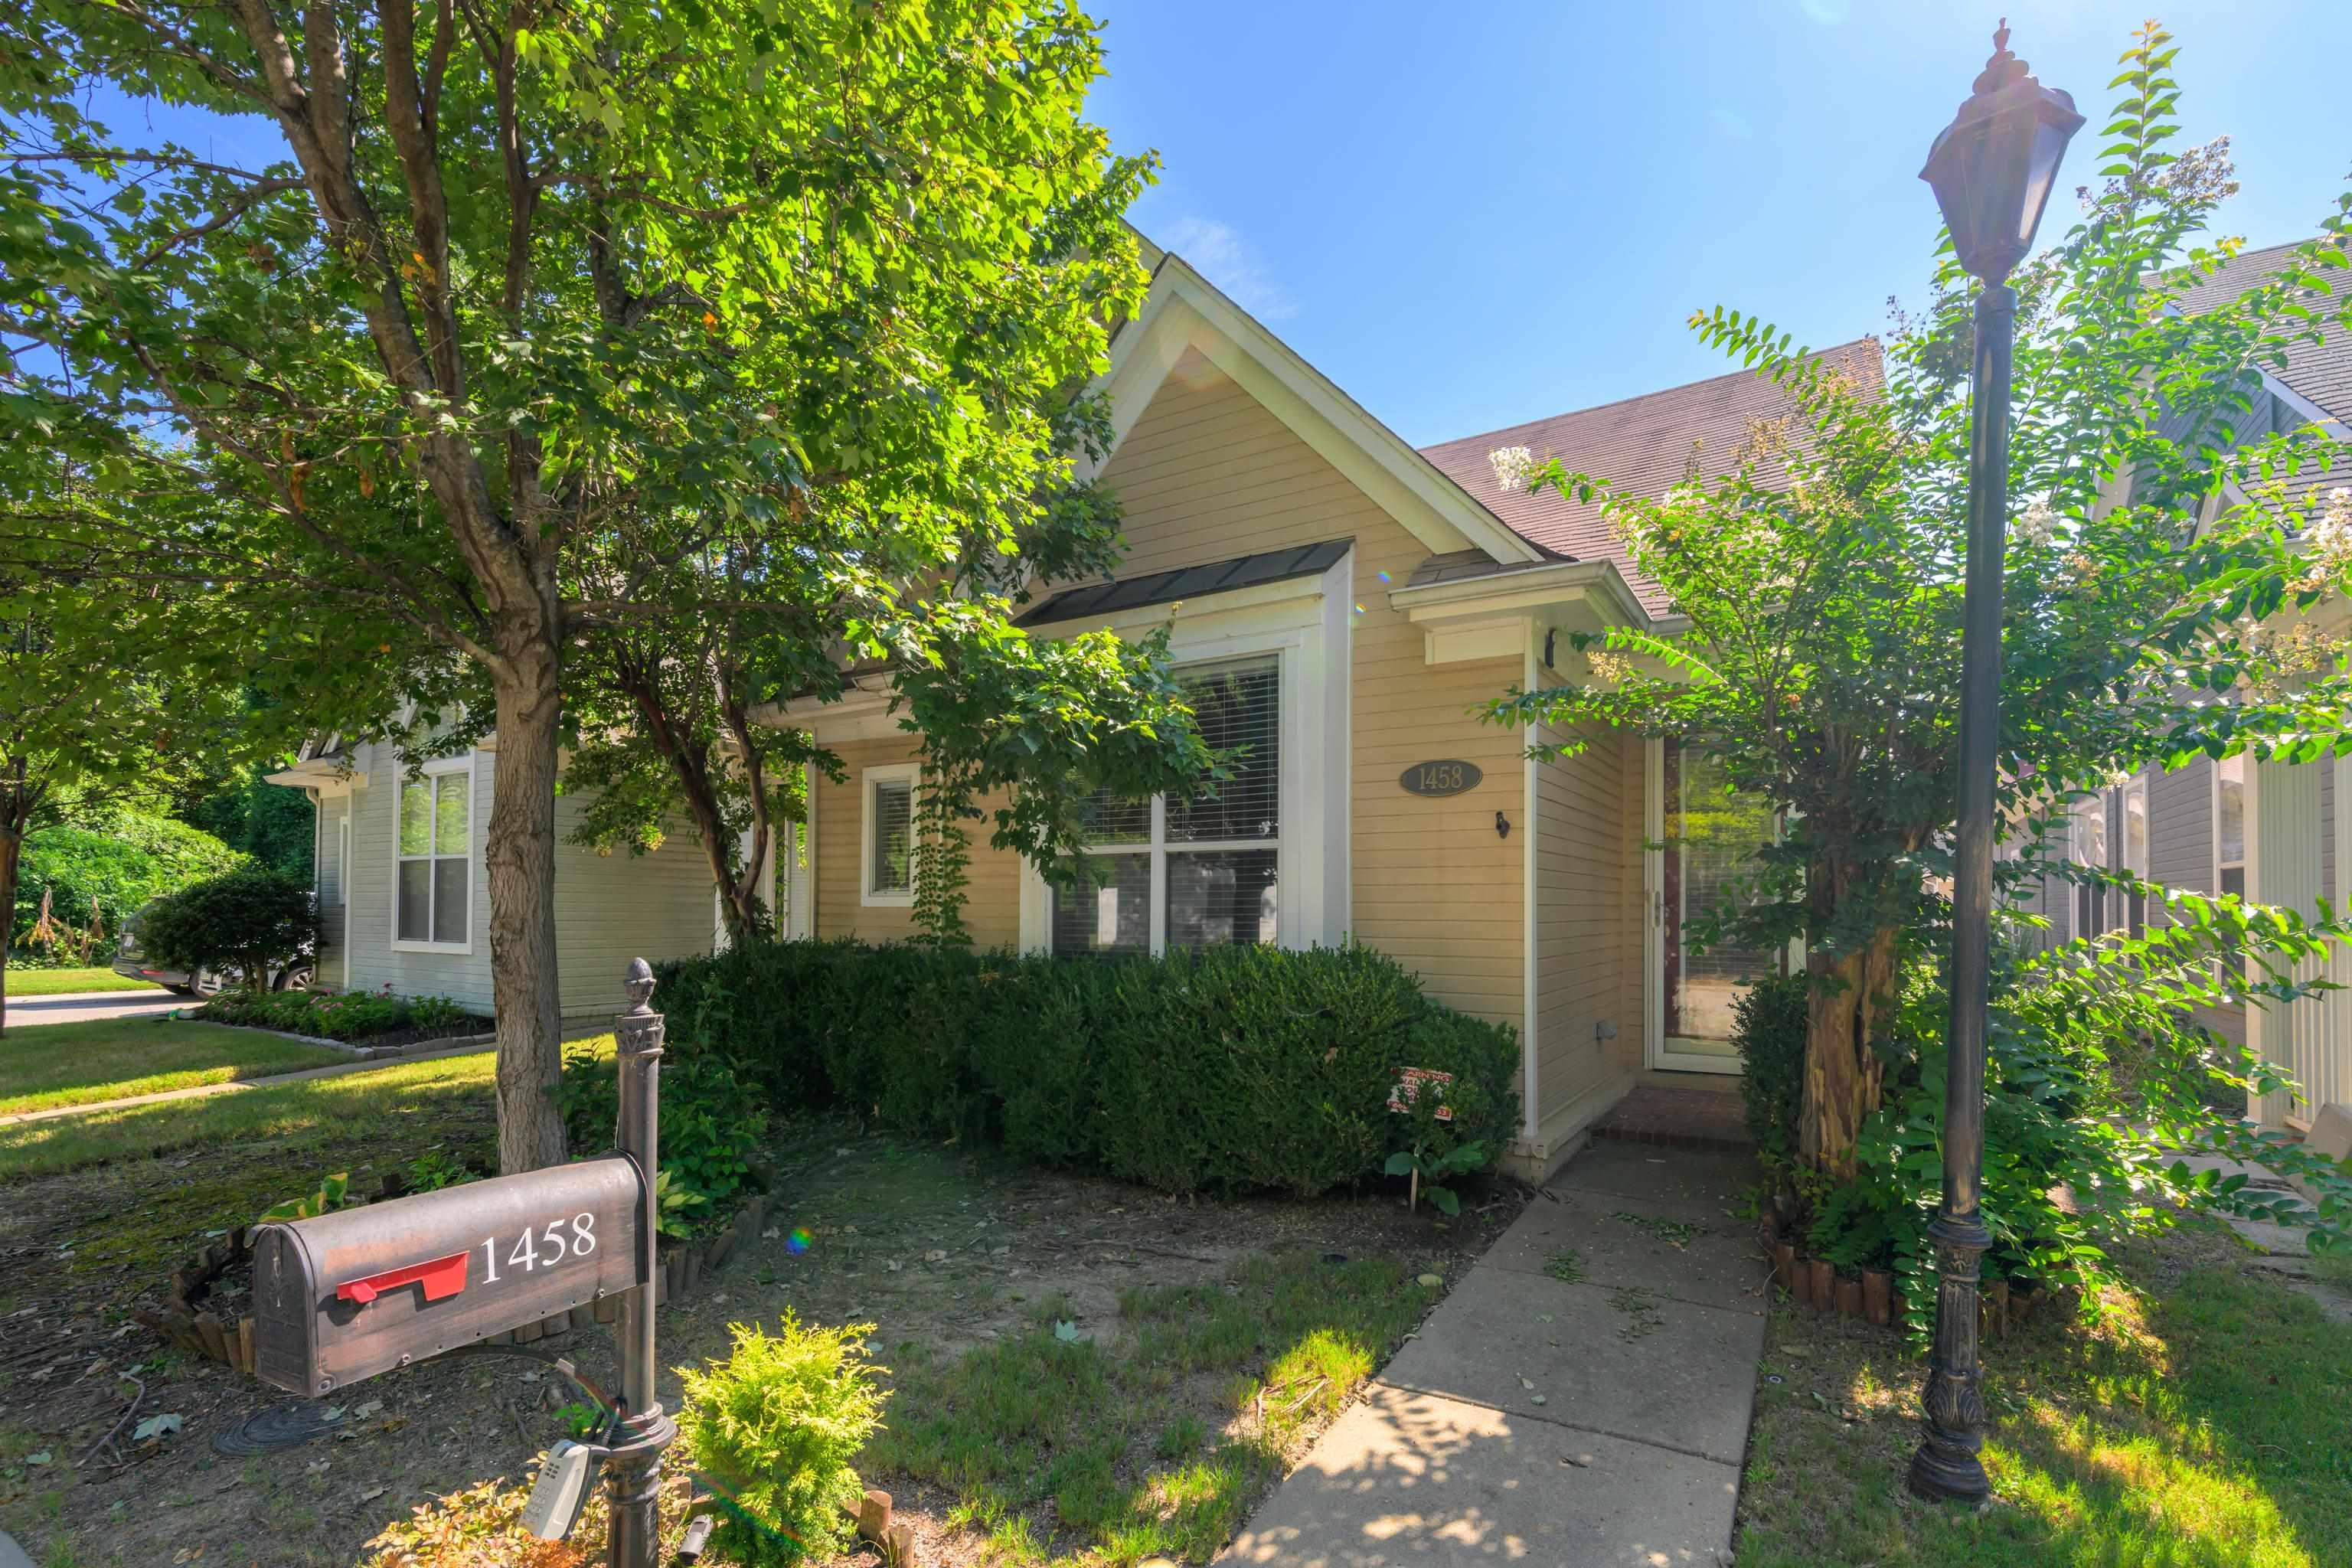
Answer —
345 1296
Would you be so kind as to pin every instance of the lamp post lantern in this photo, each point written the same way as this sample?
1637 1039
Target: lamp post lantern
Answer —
1993 169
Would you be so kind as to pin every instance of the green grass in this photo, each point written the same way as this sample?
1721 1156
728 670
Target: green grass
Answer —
65 982
48 1066
310 1122
1155 1446
2203 1424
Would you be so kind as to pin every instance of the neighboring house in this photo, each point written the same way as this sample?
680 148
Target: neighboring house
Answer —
2269 832
404 897
1340 603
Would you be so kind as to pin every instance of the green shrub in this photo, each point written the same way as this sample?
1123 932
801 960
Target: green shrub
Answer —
251 920
135 858
348 1015
1236 1069
1769 1031
710 1127
774 1427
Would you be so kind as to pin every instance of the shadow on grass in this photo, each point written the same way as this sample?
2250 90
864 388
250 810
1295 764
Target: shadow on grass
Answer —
1159 1442
2205 1423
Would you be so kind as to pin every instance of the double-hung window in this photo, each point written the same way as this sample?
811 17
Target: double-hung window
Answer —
434 881
887 850
2229 825
2090 849
1198 872
2131 911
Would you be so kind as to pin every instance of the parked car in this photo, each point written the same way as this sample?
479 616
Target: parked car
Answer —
293 977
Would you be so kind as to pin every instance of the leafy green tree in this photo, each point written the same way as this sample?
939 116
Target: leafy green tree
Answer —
542 323
274 824
98 705
1819 566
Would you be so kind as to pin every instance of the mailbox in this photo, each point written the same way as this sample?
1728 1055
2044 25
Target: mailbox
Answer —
346 1296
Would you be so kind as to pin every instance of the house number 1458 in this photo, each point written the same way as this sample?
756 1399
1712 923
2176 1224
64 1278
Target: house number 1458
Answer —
527 1249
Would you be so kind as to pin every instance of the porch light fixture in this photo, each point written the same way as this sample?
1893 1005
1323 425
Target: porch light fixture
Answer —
1993 169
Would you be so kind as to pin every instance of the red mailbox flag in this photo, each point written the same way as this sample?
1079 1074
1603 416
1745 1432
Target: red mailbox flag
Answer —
442 1278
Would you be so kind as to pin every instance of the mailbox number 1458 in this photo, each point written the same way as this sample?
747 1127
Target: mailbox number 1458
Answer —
549 1246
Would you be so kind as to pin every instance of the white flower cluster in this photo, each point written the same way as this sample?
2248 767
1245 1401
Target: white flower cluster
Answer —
1514 466
2332 534
2038 525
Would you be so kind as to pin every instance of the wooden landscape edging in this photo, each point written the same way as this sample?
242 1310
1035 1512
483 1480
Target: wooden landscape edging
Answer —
184 1322
1868 1295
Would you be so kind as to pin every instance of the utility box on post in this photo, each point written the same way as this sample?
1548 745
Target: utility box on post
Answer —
345 1296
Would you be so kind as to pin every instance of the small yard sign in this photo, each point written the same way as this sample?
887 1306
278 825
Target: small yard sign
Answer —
1407 1092
1441 778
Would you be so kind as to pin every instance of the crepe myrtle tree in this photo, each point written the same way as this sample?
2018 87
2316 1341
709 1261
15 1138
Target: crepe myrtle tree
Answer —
1819 568
509 312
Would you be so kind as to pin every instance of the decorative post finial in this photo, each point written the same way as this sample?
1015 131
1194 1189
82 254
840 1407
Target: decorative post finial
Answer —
2004 67
639 984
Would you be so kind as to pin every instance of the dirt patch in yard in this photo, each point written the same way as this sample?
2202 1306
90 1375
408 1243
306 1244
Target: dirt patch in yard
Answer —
947 1251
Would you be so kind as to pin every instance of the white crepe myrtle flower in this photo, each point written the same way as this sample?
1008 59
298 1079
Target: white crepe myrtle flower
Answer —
2038 525
1514 466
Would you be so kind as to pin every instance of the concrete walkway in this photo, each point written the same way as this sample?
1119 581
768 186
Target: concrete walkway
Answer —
1596 1419
92 1006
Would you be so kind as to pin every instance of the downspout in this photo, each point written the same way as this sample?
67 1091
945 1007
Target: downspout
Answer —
1531 771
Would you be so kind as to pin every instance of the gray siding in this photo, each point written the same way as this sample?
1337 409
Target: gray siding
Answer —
608 909
2180 826
333 895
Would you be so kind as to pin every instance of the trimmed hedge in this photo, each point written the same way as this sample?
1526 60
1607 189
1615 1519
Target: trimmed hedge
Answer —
1237 1069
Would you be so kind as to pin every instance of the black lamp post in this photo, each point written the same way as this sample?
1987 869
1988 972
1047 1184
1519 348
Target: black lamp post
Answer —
1992 169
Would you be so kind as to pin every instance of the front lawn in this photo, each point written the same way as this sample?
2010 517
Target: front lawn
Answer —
2204 1424
350 1116
54 1065
1158 1443
68 981
1204 1341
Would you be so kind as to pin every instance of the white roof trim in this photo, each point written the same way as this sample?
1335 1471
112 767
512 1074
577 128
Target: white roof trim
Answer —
1530 589
1184 311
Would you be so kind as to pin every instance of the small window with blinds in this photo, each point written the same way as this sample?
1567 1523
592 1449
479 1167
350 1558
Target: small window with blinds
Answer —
1194 871
887 845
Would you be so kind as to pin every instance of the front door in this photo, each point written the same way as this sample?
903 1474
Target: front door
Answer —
1702 835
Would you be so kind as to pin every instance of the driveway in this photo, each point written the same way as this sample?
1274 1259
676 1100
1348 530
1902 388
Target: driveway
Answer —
92 1006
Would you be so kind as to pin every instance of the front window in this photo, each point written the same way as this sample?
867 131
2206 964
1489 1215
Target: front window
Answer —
888 852
1174 873
2229 824
2090 849
434 893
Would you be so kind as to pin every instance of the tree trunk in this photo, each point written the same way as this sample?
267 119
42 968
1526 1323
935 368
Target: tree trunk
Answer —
520 856
12 851
1848 998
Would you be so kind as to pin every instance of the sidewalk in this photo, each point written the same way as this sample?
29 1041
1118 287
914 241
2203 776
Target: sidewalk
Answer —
1600 1418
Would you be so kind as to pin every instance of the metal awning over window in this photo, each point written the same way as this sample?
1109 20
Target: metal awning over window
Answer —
1189 582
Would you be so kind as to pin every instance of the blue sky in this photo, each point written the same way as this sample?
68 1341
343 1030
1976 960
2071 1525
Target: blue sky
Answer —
1475 213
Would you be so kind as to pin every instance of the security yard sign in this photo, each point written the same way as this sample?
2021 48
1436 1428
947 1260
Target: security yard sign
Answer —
348 1295
1413 1081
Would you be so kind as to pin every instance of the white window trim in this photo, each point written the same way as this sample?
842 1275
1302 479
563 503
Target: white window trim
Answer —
1156 849
436 768
907 774
1309 629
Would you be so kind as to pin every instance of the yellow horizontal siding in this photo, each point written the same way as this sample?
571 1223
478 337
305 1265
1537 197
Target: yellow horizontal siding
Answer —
993 894
1207 474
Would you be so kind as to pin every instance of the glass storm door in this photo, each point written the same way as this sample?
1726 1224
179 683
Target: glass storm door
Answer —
1702 835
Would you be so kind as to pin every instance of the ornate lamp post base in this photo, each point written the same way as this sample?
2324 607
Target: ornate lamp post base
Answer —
1945 1466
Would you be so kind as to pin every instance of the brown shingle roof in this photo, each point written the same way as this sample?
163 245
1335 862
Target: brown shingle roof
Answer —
2320 371
1645 444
